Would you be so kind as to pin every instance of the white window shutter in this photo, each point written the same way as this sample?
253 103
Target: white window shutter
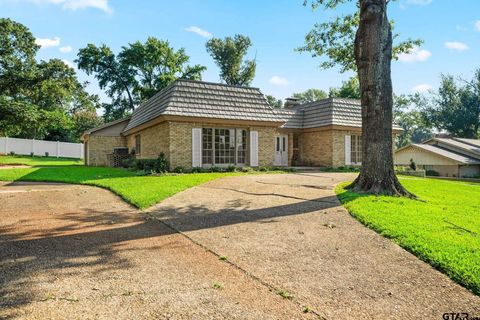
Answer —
254 148
196 147
348 150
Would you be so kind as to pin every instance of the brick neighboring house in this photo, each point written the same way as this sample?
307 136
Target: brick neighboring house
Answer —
201 124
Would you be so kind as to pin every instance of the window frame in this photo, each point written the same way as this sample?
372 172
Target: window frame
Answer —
240 138
356 149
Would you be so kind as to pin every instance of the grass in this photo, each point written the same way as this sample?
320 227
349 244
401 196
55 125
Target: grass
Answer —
141 191
442 227
39 161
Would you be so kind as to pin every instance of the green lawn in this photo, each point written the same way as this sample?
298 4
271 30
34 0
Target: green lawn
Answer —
39 161
141 191
442 227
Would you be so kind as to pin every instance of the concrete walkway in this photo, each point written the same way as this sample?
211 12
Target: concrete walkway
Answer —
290 232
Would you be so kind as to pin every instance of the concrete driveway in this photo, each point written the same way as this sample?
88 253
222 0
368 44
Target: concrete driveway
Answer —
77 252
289 232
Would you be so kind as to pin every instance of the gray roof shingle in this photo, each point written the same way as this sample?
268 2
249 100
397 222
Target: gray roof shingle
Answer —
207 100
219 101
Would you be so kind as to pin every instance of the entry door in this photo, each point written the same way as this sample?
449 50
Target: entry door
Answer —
281 150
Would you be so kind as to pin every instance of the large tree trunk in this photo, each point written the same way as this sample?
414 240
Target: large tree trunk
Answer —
373 54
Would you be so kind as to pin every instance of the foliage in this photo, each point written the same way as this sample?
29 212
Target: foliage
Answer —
274 102
442 229
432 173
349 89
341 169
159 165
136 73
229 54
413 165
37 99
415 129
310 95
335 38
456 106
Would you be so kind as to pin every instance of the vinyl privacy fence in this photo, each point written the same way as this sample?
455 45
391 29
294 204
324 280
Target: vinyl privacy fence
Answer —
40 147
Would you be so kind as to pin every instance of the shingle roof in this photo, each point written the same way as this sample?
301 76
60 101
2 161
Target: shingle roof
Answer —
219 101
446 153
465 145
205 100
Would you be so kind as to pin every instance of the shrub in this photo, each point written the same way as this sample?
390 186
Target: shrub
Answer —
231 168
179 169
128 163
263 169
197 170
432 173
162 164
247 169
32 154
413 165
215 169
47 154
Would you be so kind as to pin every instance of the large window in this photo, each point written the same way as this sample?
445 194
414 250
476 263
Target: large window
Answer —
224 146
356 150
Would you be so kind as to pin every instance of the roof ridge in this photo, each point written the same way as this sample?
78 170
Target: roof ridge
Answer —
216 83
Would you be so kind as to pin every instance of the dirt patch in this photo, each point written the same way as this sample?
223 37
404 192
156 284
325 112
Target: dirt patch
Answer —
70 252
291 232
13 166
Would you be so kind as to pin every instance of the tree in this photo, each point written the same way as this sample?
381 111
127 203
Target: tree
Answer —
415 130
36 98
372 56
310 95
336 38
229 54
456 107
349 89
138 72
274 102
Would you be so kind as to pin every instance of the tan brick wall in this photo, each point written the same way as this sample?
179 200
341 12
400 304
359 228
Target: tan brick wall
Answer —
99 146
315 148
153 141
266 145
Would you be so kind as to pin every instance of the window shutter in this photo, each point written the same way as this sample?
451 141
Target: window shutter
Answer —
348 150
196 147
254 148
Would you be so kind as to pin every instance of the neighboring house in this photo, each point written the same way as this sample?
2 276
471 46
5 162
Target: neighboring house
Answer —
201 124
450 157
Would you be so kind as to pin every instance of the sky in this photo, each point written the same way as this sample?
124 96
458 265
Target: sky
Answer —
450 30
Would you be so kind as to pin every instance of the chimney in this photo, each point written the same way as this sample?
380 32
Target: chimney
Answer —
291 103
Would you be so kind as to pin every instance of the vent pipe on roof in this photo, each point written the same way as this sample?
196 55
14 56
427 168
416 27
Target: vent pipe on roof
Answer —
291 103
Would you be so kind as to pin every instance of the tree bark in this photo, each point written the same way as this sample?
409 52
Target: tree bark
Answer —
373 55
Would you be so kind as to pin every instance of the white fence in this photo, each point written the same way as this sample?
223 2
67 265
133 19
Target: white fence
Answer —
40 148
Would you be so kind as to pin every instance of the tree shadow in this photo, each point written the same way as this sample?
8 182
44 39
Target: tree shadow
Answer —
95 239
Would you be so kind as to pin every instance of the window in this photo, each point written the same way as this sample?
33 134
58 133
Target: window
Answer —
356 149
138 144
222 146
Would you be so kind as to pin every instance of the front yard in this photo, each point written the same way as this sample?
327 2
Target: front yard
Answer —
141 191
442 227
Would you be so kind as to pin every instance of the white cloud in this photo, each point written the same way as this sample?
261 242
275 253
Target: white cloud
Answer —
419 2
199 31
46 42
415 55
73 4
279 81
460 46
477 25
65 49
68 63
424 87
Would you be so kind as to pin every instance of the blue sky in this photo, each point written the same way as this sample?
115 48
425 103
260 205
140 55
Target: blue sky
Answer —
450 29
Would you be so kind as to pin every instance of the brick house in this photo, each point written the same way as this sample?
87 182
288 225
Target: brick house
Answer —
201 124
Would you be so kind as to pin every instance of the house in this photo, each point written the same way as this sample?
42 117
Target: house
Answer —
201 124
449 157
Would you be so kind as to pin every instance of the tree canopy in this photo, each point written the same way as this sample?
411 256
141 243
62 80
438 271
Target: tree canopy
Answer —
136 73
310 95
335 38
38 99
229 55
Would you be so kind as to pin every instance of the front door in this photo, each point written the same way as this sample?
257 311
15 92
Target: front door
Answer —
281 150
